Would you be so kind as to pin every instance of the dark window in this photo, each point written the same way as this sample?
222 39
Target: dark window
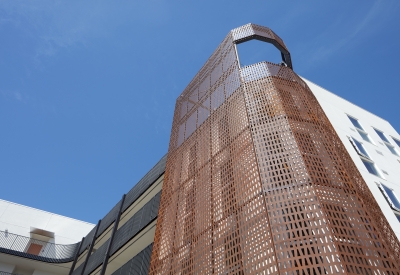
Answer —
371 167
382 136
355 123
392 149
396 141
361 148
387 143
360 129
392 196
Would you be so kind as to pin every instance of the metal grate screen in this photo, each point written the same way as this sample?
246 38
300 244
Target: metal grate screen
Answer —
138 265
258 182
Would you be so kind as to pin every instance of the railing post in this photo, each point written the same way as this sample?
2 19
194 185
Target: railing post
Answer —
91 247
76 257
115 228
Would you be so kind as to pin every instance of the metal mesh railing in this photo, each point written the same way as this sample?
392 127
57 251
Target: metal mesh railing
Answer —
57 253
129 230
35 249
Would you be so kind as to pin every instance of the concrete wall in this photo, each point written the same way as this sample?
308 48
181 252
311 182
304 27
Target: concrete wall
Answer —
18 219
337 109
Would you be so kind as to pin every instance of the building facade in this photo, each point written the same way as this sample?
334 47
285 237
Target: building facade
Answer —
266 173
259 182
37 234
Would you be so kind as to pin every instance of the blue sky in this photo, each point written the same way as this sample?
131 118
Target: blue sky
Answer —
88 88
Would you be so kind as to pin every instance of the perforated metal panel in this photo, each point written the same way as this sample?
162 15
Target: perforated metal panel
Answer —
129 230
87 240
136 223
108 219
145 182
138 265
258 182
78 270
96 259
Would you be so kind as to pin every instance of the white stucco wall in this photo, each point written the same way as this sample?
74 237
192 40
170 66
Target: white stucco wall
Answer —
18 219
337 108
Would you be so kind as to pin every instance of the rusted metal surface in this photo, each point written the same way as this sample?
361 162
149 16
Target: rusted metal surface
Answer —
258 182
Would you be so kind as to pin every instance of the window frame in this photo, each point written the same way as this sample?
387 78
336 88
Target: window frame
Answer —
396 141
390 147
392 150
387 197
381 135
360 130
358 150
378 172
351 117
365 158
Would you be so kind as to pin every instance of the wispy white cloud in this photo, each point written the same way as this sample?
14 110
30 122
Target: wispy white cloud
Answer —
54 25
19 98
15 95
349 30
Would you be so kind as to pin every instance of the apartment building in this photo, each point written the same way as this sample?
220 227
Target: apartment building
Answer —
266 173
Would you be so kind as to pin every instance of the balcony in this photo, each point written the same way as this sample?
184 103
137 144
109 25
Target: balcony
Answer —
36 249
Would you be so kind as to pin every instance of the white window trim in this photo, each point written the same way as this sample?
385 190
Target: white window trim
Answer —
379 171
368 135
366 158
383 133
380 185
360 129
397 154
396 139
358 150
388 144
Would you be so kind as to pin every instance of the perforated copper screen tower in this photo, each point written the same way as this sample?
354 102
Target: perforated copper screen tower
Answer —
258 182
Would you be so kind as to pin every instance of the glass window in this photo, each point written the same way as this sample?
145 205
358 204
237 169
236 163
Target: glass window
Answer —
355 122
360 148
387 143
398 217
396 141
382 136
391 149
370 167
360 129
364 136
392 196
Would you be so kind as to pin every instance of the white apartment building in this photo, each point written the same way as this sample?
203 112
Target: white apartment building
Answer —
35 242
374 146
34 231
371 141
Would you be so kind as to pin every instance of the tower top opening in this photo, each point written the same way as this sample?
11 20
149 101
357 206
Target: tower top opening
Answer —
252 31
